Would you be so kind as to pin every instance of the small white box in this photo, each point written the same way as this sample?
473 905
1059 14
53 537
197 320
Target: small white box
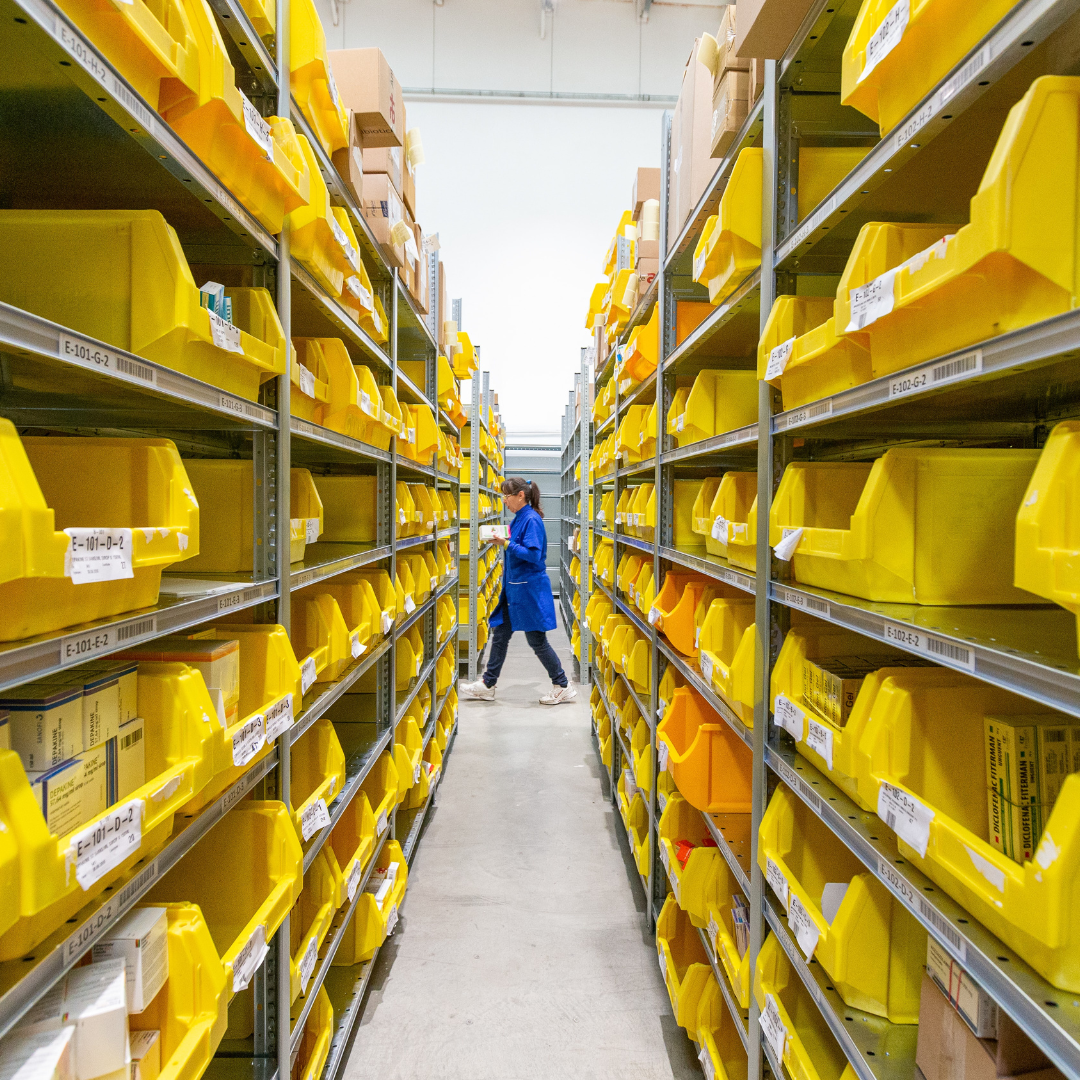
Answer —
93 1000
145 1055
130 758
75 792
42 1055
45 721
101 707
491 532
141 939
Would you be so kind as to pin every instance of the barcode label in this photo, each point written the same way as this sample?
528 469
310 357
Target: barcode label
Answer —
803 602
137 629
134 106
938 374
944 928
937 648
806 415
130 740
952 86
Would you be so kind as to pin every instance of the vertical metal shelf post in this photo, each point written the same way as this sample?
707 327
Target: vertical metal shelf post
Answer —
585 494
474 517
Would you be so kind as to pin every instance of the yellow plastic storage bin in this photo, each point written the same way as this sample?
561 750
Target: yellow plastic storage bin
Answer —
673 610
320 635
701 516
191 1010
924 526
726 653
224 489
716 401
376 908
810 1050
683 961
719 1042
312 80
156 313
709 763
383 586
886 73
872 948
358 605
245 875
637 828
314 1046
1047 536
181 734
924 730
353 840
722 889
318 777
55 484
686 856
311 918
641 755
381 788
736 504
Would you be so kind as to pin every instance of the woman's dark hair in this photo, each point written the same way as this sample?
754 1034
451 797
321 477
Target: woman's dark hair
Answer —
514 484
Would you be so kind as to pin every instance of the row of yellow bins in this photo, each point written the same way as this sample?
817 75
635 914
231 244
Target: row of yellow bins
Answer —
996 269
913 732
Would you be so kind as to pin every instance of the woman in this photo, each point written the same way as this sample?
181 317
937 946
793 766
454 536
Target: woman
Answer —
526 602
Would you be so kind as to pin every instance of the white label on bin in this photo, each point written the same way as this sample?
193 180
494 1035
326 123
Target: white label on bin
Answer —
98 555
410 604
313 819
307 964
342 237
802 925
387 622
279 717
706 664
106 843
789 716
249 959
661 755
886 37
356 287
402 519
775 877
713 931
819 739
307 675
307 382
680 422
907 816
257 127
937 648
720 529
355 646
706 1064
365 403
355 874
773 1027
871 301
416 774
249 740
312 530
380 825
391 920
778 359
225 335
786 548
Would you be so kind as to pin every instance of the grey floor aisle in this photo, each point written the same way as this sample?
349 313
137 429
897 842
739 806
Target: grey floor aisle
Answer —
522 952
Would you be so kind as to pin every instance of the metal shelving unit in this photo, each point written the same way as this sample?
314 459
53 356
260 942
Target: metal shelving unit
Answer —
60 380
1008 390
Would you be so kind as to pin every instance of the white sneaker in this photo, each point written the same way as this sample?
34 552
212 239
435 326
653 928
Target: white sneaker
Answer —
478 691
558 695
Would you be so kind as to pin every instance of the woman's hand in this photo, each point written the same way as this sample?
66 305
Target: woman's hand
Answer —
501 541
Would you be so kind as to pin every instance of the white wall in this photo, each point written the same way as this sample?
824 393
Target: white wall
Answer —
525 198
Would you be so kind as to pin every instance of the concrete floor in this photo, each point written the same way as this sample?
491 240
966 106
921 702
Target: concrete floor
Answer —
522 951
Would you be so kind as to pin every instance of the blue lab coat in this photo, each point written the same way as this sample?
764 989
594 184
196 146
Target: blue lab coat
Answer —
526 588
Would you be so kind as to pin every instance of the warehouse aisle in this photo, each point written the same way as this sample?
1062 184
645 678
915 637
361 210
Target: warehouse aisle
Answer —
525 955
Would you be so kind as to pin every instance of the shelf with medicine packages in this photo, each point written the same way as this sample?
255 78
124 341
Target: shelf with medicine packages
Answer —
481 513
799 442
222 724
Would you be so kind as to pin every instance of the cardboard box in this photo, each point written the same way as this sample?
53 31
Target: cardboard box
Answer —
367 86
647 271
73 793
726 57
127 674
145 1055
348 161
130 758
693 165
92 1000
757 79
974 1005
647 250
382 209
947 1050
43 1055
385 159
141 940
763 28
45 721
490 532
101 708
729 109
646 186
408 189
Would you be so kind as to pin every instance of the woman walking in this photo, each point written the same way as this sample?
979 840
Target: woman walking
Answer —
526 602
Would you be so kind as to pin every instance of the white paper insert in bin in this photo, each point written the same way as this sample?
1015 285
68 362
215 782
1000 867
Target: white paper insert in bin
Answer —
142 941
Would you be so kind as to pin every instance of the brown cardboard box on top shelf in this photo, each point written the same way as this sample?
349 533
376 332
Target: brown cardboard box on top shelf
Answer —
646 186
382 208
384 159
764 28
947 1049
692 164
349 161
367 86
757 79
730 105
